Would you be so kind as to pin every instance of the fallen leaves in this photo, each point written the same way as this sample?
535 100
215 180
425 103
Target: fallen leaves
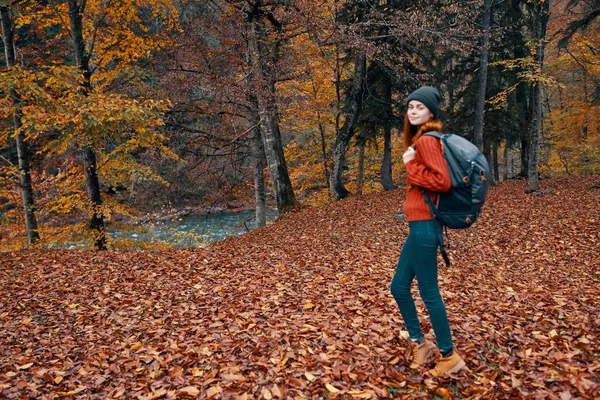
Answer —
301 309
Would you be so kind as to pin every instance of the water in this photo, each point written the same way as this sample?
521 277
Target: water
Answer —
195 231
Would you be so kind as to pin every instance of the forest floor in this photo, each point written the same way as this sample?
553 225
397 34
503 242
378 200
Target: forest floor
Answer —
302 309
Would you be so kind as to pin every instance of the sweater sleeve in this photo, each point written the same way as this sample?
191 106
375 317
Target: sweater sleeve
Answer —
429 169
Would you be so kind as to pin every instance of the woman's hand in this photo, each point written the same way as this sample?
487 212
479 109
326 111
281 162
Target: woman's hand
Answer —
409 154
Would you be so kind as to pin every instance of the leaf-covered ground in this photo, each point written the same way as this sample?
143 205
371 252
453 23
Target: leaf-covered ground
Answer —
302 309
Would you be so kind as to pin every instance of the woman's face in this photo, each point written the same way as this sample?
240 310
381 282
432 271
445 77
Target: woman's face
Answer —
418 113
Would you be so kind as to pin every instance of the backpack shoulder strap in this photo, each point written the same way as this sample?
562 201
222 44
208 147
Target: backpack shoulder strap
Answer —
433 133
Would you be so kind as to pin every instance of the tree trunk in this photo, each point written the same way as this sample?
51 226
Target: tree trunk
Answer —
506 160
8 36
541 13
22 152
258 161
525 145
267 107
257 150
324 153
258 166
360 176
386 164
88 154
534 148
93 190
487 152
345 133
483 69
496 166
524 99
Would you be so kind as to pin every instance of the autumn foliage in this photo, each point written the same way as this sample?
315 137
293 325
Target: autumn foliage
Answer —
302 309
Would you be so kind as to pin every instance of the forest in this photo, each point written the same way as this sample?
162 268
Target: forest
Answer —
114 111
116 116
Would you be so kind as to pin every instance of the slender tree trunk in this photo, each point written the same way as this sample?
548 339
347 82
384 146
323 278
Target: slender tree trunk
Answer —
269 124
324 151
360 176
258 162
496 164
315 93
8 36
258 166
22 151
92 185
483 69
505 160
257 150
88 155
541 20
534 149
524 98
345 133
523 102
386 164
487 152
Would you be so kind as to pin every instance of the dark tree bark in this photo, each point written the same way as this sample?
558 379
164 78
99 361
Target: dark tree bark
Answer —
360 175
259 163
345 133
386 164
487 152
324 151
269 124
27 198
541 14
496 166
258 166
88 155
524 100
315 94
483 70
505 176
257 150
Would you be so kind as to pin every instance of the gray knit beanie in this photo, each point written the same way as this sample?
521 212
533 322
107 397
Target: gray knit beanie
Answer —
429 96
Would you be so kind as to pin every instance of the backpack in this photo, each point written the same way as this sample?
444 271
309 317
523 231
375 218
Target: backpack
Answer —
470 175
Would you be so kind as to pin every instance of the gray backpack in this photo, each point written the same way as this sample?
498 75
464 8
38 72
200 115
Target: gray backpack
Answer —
470 175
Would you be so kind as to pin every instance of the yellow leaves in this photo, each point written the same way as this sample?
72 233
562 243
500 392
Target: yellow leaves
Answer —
444 394
136 346
361 394
266 393
191 391
213 391
310 376
308 306
331 388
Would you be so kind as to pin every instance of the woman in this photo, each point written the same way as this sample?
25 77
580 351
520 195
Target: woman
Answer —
426 169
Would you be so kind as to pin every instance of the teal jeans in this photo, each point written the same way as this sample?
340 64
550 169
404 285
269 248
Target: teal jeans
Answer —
419 259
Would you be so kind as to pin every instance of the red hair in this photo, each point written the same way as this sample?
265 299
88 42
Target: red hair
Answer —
412 133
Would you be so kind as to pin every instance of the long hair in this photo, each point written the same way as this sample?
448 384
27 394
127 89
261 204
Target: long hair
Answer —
412 133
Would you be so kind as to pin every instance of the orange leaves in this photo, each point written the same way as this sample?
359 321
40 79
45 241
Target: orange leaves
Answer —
301 309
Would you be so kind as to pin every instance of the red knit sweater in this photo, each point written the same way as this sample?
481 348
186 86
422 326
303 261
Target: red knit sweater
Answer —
429 171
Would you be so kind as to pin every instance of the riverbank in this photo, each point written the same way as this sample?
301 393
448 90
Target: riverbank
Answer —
172 214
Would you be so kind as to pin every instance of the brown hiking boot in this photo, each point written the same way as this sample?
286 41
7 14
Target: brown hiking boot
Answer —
421 353
448 365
